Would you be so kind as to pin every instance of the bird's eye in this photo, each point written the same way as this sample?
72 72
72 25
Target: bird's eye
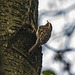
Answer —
47 24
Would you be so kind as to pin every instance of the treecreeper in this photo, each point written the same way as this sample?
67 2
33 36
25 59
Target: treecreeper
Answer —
43 34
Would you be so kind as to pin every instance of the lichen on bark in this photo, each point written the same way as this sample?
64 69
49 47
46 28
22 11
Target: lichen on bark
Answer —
18 24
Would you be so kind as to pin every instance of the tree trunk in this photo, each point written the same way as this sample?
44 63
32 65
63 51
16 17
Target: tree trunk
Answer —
18 25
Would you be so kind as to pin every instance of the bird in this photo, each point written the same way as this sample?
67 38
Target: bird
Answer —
43 34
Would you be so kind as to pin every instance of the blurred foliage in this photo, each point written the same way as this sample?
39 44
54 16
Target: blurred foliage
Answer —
58 57
63 35
48 72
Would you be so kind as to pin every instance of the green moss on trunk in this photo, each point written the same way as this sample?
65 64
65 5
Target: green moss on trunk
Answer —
18 22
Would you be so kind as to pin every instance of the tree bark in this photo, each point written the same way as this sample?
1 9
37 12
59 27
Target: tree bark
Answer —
18 25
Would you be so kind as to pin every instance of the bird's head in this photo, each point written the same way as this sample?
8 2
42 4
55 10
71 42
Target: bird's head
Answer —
49 25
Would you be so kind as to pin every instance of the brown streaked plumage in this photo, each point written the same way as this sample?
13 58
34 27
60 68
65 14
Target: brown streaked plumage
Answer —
43 34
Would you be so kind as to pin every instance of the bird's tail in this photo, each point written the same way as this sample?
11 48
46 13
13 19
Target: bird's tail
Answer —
34 47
